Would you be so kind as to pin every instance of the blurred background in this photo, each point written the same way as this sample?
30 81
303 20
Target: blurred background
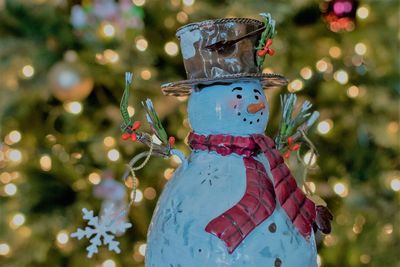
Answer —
62 67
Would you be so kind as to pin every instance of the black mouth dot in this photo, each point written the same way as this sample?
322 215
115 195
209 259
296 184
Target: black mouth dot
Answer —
258 120
239 113
251 122
244 119
262 113
235 106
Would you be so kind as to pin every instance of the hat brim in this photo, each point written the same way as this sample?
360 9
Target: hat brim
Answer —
184 88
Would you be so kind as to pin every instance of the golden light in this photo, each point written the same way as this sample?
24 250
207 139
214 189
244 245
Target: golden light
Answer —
28 71
4 249
108 30
395 184
131 111
306 73
94 178
321 65
365 259
62 237
145 74
393 127
325 126
113 155
45 163
360 49
108 263
17 220
311 186
74 107
267 70
335 52
340 189
150 193
188 2
168 173
142 249
357 229
319 260
5 177
14 136
109 141
139 2
176 159
310 158
388 229
295 85
171 48
353 91
14 155
141 44
10 189
341 76
111 56
363 12
138 196
182 17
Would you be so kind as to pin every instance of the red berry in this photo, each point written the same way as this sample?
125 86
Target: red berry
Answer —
125 136
290 140
287 154
133 137
295 147
261 53
171 140
136 125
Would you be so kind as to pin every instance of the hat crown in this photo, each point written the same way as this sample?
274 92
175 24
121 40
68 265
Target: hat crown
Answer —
202 62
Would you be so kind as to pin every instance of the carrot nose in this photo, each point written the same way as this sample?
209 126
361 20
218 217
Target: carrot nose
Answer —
253 108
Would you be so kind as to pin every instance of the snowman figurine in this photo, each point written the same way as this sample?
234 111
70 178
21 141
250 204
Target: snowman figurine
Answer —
233 202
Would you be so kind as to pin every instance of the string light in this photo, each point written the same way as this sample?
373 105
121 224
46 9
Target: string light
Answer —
171 48
310 158
109 141
365 259
113 155
306 73
62 237
393 127
17 220
109 263
139 2
353 91
150 193
141 44
319 260
395 184
340 189
94 178
360 49
388 229
111 56
14 155
74 107
5 177
321 65
295 85
145 74
168 173
4 249
188 2
10 189
28 71
45 163
14 136
131 111
325 126
176 159
108 30
138 196
142 249
362 12
335 52
341 76
182 17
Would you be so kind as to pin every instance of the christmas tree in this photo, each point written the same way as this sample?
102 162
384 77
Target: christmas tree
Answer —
62 67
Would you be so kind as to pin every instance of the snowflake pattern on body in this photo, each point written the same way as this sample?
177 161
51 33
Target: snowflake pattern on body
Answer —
103 230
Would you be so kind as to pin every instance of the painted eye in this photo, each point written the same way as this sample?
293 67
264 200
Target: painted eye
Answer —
239 96
256 96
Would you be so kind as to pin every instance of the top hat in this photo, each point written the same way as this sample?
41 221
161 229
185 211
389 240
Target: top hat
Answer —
221 50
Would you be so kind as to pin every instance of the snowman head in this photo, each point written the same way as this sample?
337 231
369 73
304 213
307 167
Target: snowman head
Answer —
235 108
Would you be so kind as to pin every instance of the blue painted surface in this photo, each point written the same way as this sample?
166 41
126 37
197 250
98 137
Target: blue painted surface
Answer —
210 184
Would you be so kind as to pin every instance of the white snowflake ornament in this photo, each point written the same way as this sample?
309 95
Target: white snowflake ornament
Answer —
103 230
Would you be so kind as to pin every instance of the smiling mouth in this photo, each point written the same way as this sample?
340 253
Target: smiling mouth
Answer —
250 121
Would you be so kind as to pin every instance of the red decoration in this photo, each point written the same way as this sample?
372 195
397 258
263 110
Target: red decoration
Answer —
340 14
291 147
131 132
171 140
266 49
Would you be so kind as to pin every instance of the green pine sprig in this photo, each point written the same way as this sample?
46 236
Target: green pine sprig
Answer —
268 33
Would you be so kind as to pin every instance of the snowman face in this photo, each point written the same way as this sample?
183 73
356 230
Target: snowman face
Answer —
237 108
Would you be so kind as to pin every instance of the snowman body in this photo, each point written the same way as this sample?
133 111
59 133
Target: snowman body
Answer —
209 184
